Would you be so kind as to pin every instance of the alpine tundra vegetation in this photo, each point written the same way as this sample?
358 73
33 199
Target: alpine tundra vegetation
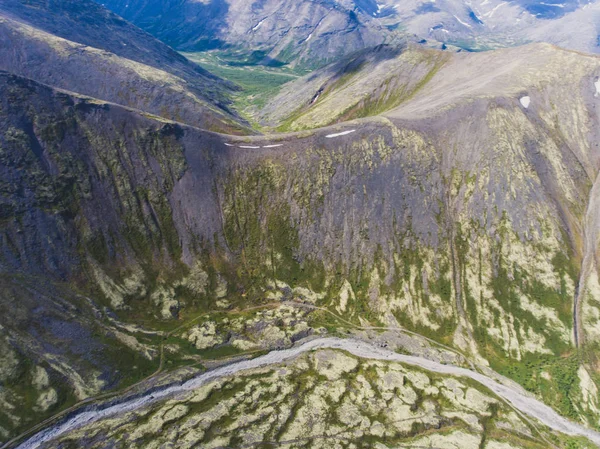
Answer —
428 218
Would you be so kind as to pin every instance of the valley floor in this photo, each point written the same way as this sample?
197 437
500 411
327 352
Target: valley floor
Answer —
96 421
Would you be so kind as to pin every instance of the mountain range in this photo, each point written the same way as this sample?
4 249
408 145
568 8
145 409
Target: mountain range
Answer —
311 33
436 202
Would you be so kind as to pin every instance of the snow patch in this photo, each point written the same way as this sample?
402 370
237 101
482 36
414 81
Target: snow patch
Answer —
597 85
463 23
257 26
314 29
331 136
525 101
491 13
254 147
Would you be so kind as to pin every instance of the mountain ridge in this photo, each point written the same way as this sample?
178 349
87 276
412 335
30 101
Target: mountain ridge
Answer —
456 213
426 195
186 93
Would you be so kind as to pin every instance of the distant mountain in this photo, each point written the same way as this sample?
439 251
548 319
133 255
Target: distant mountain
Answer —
486 24
82 47
307 33
314 33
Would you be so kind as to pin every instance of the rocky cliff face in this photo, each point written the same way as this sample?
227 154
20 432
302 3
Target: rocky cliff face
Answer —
466 214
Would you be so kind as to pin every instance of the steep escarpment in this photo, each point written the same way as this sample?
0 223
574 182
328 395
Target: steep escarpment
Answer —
46 176
85 206
465 218
459 215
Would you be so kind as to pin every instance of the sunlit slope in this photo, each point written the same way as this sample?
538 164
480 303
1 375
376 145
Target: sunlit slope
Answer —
127 66
410 81
368 83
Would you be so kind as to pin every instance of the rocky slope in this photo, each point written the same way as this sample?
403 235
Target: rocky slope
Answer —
314 33
466 214
88 23
87 49
56 350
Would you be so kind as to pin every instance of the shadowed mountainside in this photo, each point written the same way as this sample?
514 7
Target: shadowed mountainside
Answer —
466 214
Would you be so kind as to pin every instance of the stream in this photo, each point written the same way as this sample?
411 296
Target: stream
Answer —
527 405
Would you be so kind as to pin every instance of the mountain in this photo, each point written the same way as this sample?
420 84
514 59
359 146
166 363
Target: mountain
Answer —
463 212
367 83
486 24
82 47
305 33
315 33
390 79
442 204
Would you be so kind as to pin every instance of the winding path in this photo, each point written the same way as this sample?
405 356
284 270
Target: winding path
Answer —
525 404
